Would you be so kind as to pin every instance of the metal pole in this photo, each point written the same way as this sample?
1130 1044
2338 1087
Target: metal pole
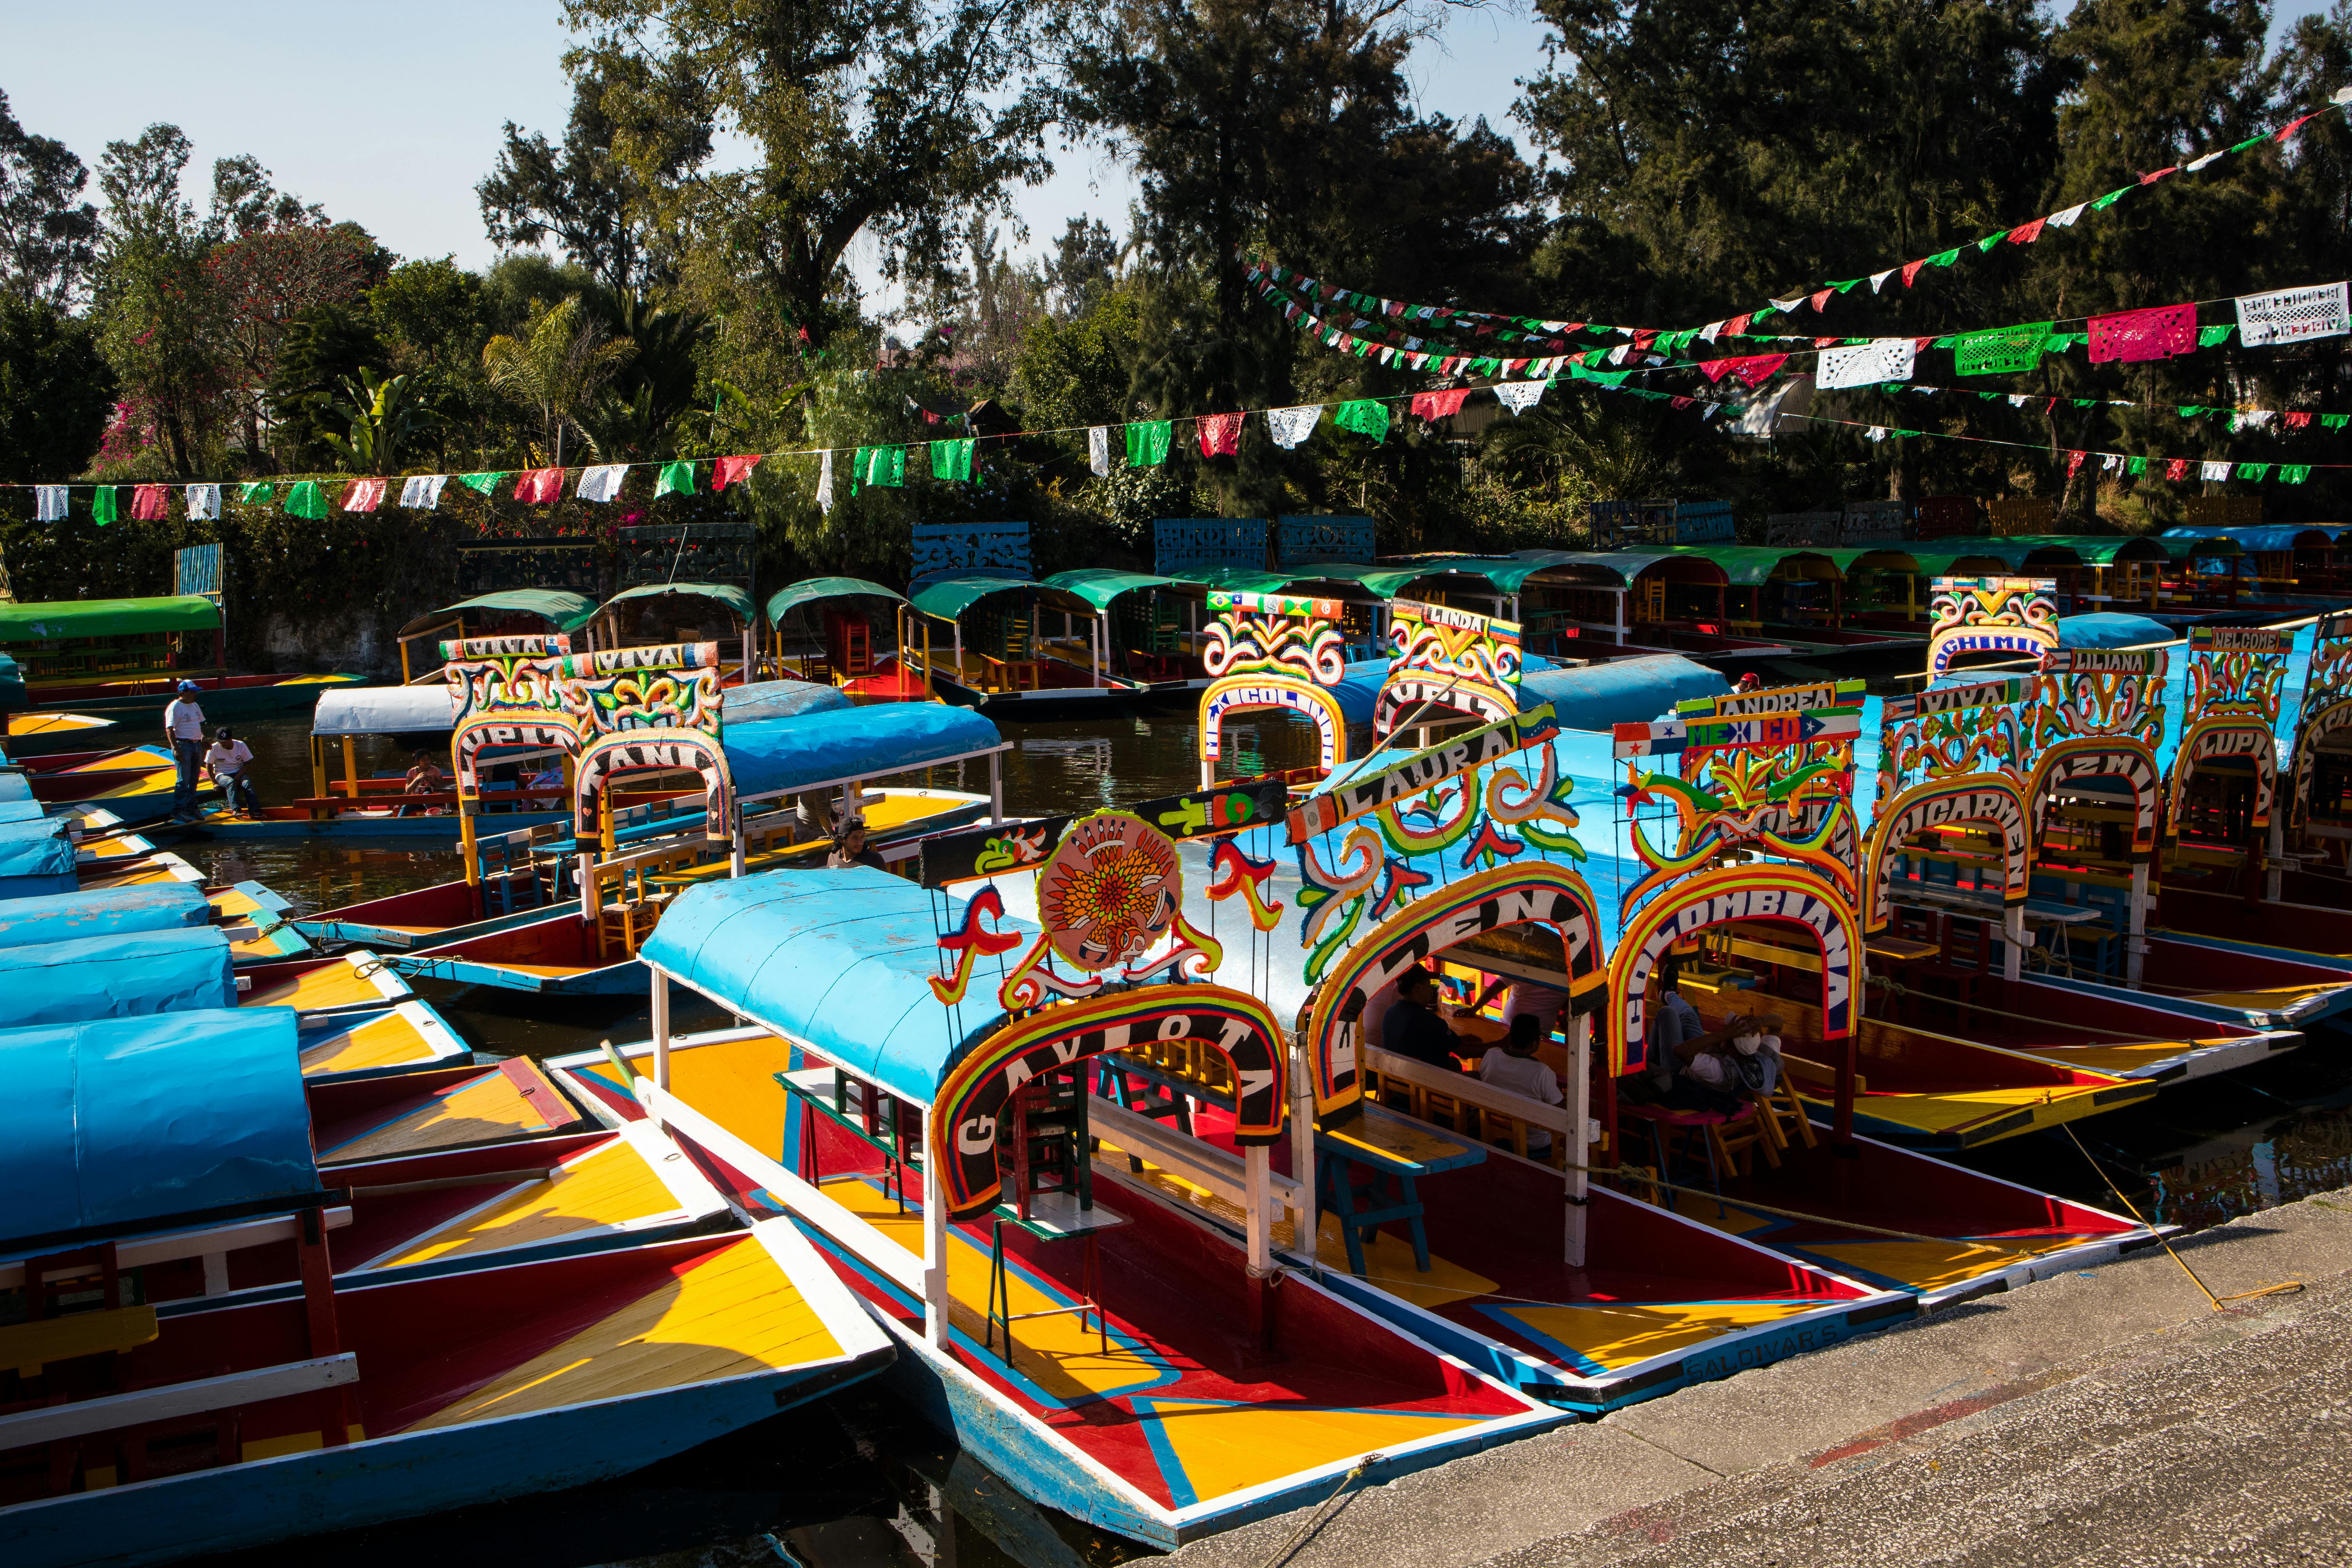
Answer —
1579 1101
996 786
1309 1213
935 1248
660 1009
2274 874
1257 1187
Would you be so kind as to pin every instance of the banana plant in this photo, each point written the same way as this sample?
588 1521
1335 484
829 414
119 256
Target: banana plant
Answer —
384 413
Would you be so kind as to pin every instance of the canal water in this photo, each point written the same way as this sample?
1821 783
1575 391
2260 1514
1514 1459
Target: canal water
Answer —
856 1481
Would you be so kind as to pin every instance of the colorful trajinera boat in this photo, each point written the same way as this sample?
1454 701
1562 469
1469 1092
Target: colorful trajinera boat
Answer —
244 1390
124 658
843 632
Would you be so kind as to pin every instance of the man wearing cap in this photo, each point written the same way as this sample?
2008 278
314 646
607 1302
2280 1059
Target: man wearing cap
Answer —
849 848
184 727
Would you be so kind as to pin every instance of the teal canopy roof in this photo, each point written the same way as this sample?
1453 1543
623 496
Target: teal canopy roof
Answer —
2091 549
105 911
12 687
842 960
2267 538
871 741
112 1123
814 589
1099 586
1233 579
560 606
1625 565
2112 631
951 596
118 976
738 603
35 857
106 617
1748 565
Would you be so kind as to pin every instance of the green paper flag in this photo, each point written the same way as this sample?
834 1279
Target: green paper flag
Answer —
2138 465
2253 470
256 494
2334 421
2110 199
1365 416
2085 402
952 460
305 500
885 467
486 483
676 479
2191 410
2249 142
1989 241
2214 337
1147 441
2002 352
102 505
1847 286
2293 473
1945 258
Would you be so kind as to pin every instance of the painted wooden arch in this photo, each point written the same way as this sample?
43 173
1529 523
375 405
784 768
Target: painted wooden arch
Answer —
1539 893
964 1116
1978 800
1255 694
2099 756
610 756
480 732
1408 691
1791 895
2216 740
2314 732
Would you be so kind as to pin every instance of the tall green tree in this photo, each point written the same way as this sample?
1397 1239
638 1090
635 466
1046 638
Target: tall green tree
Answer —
56 392
555 369
48 239
883 120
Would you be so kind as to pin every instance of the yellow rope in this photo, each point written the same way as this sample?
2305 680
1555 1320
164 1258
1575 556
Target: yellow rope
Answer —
2285 1288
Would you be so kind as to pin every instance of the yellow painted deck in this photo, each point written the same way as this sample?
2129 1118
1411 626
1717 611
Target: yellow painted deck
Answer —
477 1111
609 1185
732 1313
1917 1265
406 1036
1609 1335
2116 1058
24 725
1955 1113
336 984
735 1084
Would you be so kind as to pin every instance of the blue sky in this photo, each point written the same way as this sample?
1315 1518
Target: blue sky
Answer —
391 117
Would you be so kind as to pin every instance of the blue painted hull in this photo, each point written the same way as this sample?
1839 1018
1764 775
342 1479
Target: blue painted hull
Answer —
385 939
629 978
248 1505
369 829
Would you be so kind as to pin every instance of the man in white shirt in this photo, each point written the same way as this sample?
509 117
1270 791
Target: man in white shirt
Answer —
227 761
1513 1065
183 728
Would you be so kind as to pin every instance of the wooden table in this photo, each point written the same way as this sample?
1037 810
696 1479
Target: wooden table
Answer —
1395 1153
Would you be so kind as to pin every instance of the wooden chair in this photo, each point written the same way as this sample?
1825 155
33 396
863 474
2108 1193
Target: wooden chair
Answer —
1781 1112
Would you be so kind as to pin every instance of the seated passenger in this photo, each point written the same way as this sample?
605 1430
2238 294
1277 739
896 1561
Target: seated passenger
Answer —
1413 1028
1513 1065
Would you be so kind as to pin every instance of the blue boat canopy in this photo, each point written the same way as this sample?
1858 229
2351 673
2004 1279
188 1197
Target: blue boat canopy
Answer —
2270 538
15 786
778 700
2106 630
1620 692
110 1124
103 911
118 976
25 810
770 756
35 857
842 960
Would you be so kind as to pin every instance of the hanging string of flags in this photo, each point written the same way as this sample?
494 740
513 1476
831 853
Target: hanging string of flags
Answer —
1551 337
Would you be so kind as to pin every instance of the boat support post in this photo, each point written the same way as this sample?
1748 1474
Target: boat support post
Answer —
2275 863
2135 940
1309 1212
935 1251
995 786
1258 1191
1580 1132
2014 942
658 1007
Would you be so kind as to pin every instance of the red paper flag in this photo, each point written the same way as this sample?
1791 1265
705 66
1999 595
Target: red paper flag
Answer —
2131 336
1221 435
1643 336
2151 179
1737 325
2074 463
540 486
1437 405
2175 468
1681 402
2297 421
1822 299
147 503
729 469
1911 270
2286 133
362 495
2027 233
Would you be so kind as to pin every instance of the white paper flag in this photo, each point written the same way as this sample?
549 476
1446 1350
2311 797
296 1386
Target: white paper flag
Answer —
1519 395
1706 333
2294 315
1617 355
2192 168
1289 426
1867 365
2220 470
49 502
203 502
422 492
1877 279
1876 432
2252 419
824 483
601 483
1098 450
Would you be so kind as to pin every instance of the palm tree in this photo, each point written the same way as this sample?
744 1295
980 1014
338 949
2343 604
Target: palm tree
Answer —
557 369
384 413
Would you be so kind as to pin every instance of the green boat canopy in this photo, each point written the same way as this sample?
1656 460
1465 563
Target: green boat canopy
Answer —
1233 579
951 596
1625 565
787 600
2093 549
1099 586
560 606
738 603
1747 565
106 617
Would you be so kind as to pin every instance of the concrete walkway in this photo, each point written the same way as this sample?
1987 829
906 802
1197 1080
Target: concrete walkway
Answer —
2109 1415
